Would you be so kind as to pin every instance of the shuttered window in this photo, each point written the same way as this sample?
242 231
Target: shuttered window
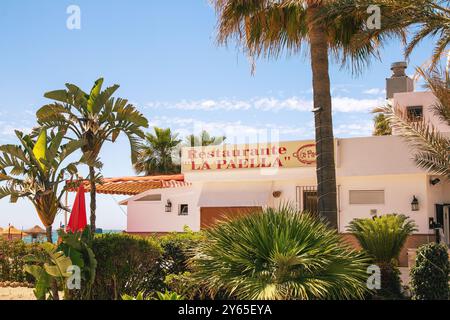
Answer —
366 196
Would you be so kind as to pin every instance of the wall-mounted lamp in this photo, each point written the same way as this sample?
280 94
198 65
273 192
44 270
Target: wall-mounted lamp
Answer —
168 206
415 204
435 181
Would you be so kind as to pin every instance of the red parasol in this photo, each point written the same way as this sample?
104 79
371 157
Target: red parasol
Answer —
77 221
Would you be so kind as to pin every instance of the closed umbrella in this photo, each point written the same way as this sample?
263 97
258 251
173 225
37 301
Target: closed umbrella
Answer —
78 221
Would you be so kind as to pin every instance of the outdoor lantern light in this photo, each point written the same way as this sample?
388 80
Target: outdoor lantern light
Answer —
168 206
415 204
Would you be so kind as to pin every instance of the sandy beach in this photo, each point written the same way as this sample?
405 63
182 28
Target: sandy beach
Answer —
16 294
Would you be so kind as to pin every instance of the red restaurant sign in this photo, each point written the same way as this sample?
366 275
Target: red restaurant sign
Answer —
290 154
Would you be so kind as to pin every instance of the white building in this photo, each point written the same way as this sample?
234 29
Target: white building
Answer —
375 175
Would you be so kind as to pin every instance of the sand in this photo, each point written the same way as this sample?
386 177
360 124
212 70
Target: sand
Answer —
17 294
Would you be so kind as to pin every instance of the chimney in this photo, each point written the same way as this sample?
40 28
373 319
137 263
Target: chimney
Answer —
399 81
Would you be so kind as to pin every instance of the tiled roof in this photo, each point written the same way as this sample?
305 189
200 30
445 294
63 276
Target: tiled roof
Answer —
135 185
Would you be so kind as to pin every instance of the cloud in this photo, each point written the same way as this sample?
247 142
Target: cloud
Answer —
375 91
340 104
354 129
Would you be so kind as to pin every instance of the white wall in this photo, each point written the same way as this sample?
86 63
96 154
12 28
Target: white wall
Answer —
424 99
149 216
399 191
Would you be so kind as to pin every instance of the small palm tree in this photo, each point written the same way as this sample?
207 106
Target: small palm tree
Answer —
156 156
431 147
381 124
203 139
383 239
279 254
94 118
33 170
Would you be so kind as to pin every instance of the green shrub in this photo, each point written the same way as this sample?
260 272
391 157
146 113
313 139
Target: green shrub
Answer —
12 262
279 254
383 238
430 274
126 265
178 249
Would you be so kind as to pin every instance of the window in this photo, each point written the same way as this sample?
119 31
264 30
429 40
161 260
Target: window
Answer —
307 199
366 196
414 113
150 197
184 210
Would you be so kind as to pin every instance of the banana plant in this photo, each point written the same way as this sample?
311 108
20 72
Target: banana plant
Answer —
35 170
51 267
77 246
94 118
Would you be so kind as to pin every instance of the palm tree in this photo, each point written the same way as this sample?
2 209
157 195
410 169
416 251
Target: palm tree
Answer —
383 238
267 28
382 127
431 148
279 254
94 118
32 170
203 139
156 156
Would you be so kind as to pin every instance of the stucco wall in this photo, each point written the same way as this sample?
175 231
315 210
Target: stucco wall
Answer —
425 99
146 216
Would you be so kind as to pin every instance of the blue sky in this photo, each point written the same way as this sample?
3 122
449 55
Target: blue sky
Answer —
164 56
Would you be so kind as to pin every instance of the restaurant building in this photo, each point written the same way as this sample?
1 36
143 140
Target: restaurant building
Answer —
375 176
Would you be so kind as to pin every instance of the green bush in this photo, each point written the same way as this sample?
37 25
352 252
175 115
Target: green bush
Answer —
126 265
12 262
430 274
178 249
279 254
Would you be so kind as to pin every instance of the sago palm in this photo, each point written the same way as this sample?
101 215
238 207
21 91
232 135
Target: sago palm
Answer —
383 239
431 148
267 28
156 155
279 254
35 169
94 118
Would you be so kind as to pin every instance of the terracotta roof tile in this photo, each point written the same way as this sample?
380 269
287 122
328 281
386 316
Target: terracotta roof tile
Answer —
136 185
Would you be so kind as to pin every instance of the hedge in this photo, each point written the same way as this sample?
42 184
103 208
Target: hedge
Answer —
126 265
430 274
11 260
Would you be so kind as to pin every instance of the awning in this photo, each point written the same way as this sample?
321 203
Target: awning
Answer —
235 194
135 185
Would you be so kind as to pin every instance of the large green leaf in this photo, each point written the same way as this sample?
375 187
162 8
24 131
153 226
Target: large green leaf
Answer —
40 148
94 94
42 285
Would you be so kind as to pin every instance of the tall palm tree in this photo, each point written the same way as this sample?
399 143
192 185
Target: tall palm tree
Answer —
203 139
431 147
94 118
267 28
279 254
156 155
33 170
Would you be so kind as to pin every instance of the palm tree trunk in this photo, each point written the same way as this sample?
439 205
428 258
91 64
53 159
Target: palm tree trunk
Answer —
53 283
93 193
326 170
48 231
